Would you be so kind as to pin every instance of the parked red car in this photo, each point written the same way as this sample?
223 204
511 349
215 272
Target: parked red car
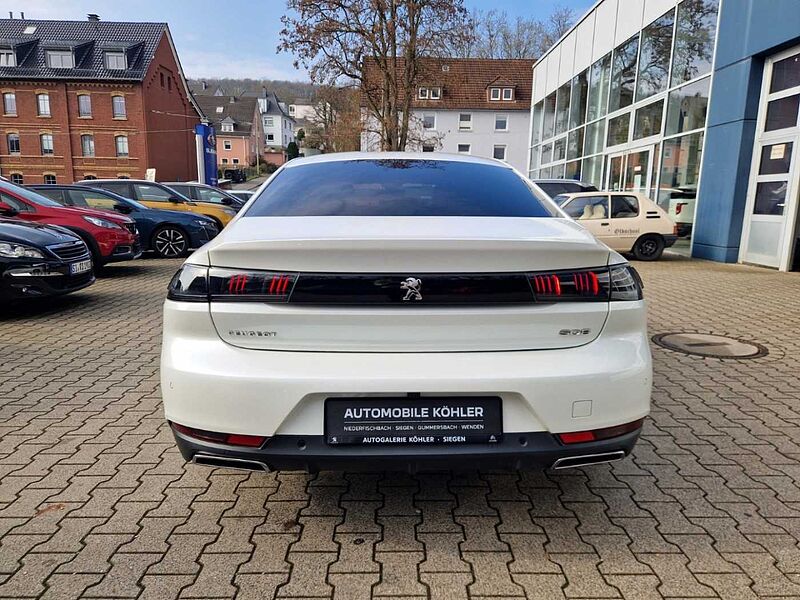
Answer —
111 237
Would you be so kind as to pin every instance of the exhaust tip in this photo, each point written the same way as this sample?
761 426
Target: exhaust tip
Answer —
586 460
210 460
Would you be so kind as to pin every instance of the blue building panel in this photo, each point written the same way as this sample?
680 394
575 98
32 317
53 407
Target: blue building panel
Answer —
749 31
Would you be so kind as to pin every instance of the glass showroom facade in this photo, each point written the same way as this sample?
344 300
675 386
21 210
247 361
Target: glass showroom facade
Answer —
633 116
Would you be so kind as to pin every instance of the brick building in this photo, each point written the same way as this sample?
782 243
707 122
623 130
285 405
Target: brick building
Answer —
84 99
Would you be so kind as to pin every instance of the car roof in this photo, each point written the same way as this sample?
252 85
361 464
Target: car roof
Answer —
427 156
575 181
601 193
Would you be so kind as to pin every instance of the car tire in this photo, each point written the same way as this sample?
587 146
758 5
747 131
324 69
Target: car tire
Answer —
648 247
170 241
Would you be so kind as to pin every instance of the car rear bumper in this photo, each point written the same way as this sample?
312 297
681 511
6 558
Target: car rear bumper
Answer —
210 385
517 451
669 240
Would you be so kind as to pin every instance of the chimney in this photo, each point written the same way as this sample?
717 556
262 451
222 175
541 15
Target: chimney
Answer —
22 15
264 89
10 14
204 83
93 17
232 100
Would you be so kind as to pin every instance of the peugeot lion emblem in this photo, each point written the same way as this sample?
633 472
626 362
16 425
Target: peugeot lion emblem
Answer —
412 286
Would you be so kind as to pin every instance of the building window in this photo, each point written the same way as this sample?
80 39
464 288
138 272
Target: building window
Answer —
549 116
575 144
599 81
465 122
494 93
694 41
60 59
687 107
89 177
236 161
429 121
115 61
50 179
121 144
499 152
123 176
84 105
501 122
7 58
118 108
87 145
161 79
435 93
224 161
647 121
43 105
269 122
623 74
46 143
270 137
228 127
428 148
618 129
220 109
464 148
508 93
9 103
13 143
562 108
169 84
17 178
226 144
579 98
654 57
423 93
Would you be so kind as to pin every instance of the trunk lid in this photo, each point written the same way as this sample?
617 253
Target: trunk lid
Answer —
349 296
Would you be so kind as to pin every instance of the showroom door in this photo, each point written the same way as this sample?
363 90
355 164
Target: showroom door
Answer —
630 171
769 232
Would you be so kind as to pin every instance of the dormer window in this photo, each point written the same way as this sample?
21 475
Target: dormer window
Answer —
60 59
227 127
7 58
435 93
494 93
430 93
508 93
423 93
115 61
220 109
29 30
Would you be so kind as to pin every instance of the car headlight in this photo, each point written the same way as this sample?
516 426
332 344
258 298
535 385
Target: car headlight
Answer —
204 223
101 222
9 250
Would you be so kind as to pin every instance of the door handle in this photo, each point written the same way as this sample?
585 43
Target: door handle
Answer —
606 223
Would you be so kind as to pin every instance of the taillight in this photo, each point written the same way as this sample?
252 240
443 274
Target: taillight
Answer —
679 207
615 283
230 439
580 437
193 283
249 286
189 284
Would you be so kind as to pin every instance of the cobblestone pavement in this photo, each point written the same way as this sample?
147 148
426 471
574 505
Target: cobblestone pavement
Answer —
95 501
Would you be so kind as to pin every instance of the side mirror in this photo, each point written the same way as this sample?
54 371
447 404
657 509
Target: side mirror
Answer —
123 208
7 210
226 201
175 200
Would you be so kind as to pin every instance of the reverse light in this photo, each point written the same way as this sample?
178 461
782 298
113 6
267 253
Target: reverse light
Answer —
229 439
580 437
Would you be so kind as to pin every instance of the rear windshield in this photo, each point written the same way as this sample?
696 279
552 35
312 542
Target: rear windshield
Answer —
554 188
398 188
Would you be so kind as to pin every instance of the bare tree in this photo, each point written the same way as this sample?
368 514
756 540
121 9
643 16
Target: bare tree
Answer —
493 34
339 41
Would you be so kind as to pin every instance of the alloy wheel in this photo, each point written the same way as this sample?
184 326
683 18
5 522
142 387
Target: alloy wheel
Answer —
170 243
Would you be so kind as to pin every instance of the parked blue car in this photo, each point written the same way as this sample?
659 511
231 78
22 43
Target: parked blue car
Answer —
168 233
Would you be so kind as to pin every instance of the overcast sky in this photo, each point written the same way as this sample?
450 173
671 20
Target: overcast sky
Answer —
232 38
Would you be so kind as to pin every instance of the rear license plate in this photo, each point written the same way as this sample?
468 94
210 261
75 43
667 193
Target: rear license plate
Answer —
413 420
82 266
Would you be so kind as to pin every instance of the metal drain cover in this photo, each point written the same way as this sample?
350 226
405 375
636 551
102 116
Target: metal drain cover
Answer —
706 344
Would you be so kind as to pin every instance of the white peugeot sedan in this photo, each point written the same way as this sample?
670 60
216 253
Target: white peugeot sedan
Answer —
404 311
